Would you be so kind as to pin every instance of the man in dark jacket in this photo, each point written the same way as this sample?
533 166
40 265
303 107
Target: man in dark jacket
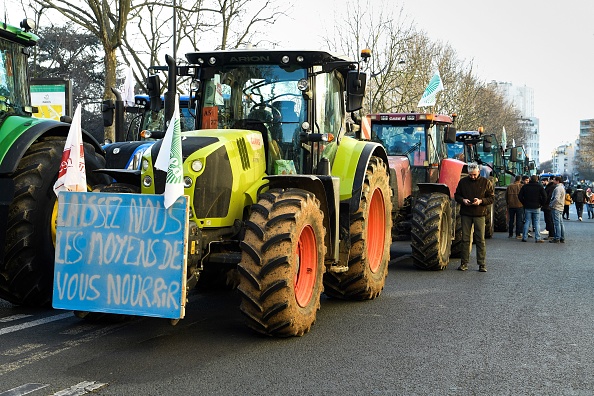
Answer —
549 187
474 194
533 197
579 197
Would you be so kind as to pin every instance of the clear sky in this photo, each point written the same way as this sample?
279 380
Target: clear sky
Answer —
545 45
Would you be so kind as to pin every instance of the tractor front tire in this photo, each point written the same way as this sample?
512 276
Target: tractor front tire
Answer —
282 263
370 240
431 231
27 272
490 222
500 211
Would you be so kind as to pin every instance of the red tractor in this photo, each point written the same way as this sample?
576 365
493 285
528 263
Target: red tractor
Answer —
423 180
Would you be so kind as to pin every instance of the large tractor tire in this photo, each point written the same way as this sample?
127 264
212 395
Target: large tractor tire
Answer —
26 275
282 263
500 211
457 241
370 239
431 231
490 222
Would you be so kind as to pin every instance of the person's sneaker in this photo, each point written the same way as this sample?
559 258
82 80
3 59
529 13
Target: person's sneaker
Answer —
519 237
539 241
554 241
562 241
463 267
545 232
482 268
579 218
530 235
524 240
510 236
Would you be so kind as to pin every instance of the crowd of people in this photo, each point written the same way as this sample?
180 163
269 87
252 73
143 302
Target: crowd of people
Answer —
526 197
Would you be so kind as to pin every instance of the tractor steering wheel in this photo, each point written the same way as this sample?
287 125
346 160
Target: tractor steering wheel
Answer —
265 113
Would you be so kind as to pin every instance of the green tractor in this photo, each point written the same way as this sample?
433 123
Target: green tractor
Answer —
502 165
282 200
30 156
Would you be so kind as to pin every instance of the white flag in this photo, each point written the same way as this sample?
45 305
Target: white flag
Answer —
504 139
72 176
429 96
170 159
128 89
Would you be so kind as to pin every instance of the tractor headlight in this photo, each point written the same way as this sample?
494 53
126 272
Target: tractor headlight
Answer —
147 181
197 165
145 165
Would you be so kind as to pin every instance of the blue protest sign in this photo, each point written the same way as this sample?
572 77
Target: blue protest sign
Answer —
121 253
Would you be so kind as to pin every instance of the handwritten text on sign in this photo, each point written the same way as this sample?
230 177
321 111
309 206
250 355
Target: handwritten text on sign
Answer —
121 253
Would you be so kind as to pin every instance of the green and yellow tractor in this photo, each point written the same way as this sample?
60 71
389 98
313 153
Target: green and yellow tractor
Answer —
281 199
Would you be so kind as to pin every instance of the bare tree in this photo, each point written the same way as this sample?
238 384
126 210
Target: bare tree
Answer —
106 20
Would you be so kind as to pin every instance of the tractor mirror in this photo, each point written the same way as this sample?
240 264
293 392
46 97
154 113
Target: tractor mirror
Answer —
450 134
154 92
355 85
513 157
487 144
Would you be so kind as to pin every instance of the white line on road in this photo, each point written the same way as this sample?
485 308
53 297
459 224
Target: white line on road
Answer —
34 323
23 390
12 318
81 388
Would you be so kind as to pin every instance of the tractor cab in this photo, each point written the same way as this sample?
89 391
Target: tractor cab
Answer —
14 50
420 137
272 92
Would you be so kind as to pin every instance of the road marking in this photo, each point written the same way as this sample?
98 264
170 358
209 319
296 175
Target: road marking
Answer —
79 389
23 389
9 367
21 349
34 323
12 318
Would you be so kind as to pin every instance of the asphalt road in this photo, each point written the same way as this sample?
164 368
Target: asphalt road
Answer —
522 328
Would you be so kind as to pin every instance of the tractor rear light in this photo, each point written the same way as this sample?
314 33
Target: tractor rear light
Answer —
147 181
197 165
187 182
329 137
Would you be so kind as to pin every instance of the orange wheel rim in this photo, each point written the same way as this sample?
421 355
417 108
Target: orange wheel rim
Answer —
307 263
376 235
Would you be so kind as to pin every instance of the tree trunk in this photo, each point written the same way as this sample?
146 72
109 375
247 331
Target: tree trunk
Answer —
110 81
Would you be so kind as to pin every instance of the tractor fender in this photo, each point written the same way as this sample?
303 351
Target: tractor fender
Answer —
427 188
28 132
325 188
350 165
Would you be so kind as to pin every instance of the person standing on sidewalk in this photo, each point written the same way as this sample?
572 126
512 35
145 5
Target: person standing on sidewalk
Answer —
579 197
533 197
515 209
556 205
474 194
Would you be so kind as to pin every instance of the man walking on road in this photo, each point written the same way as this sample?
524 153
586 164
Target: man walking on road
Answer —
579 197
533 197
474 194
557 204
549 186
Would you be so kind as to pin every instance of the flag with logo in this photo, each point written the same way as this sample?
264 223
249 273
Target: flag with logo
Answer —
170 159
504 139
71 175
429 96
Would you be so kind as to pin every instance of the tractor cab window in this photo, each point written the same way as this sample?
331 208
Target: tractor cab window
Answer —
456 150
329 104
13 78
406 140
263 98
